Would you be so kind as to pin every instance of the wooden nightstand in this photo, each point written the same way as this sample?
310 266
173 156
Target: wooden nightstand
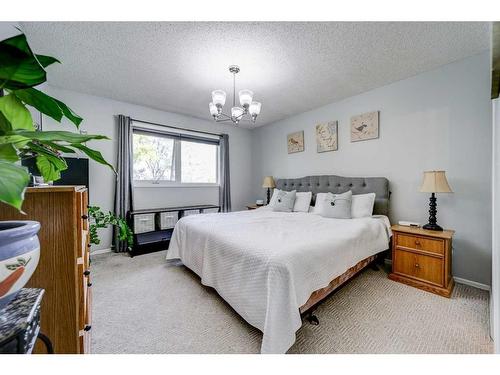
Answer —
422 258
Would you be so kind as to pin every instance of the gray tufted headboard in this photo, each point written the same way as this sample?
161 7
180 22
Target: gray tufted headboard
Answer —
338 184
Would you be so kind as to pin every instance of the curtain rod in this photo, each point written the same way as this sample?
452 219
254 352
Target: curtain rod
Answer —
176 127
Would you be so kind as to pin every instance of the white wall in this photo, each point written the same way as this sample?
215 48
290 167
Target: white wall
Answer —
495 287
437 120
98 114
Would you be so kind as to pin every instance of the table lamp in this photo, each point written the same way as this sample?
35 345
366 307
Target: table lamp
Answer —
269 184
434 182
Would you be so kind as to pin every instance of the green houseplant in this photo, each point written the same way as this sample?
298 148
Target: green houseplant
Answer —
20 72
100 220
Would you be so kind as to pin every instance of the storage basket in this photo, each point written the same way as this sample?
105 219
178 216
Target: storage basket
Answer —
167 220
144 223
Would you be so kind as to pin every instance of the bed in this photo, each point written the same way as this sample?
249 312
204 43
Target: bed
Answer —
272 267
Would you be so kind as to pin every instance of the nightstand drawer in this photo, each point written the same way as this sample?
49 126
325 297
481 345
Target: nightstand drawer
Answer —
420 267
420 243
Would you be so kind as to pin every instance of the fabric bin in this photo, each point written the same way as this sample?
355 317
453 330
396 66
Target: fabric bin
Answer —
144 223
191 212
167 220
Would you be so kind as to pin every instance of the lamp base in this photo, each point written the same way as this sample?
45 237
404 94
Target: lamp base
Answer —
430 226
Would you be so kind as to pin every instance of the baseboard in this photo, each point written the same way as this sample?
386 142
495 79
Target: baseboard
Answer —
101 251
459 280
475 284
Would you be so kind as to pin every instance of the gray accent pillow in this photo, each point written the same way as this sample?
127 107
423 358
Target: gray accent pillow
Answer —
284 201
337 206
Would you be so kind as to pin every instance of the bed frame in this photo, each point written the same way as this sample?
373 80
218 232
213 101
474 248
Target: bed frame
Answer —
338 185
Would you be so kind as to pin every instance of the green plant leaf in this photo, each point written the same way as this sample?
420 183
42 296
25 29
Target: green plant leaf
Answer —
20 68
48 162
16 113
4 125
59 147
40 101
93 154
8 153
45 61
48 170
51 136
13 181
19 42
68 112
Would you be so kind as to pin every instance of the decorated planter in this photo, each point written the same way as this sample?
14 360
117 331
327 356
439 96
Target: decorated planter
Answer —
19 255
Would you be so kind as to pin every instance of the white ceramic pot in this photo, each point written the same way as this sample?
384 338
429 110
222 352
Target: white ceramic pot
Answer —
19 255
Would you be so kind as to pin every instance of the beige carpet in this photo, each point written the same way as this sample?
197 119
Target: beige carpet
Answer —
141 305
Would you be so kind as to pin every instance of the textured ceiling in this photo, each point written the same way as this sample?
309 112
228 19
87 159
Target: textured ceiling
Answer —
291 67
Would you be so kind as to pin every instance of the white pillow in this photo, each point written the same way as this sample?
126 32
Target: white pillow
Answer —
285 201
337 206
274 197
320 202
362 205
302 202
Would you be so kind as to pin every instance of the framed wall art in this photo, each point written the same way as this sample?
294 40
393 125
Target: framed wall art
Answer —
295 142
327 137
364 126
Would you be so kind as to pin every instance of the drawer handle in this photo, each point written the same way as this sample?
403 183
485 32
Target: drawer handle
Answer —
85 217
86 272
87 328
417 242
417 265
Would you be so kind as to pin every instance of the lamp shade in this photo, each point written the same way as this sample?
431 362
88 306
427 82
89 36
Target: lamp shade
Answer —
255 108
435 182
245 97
219 97
268 182
237 112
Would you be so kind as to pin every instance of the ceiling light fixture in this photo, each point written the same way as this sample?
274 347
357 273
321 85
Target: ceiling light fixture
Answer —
248 106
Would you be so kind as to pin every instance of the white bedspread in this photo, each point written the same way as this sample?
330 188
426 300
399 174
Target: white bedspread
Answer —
266 264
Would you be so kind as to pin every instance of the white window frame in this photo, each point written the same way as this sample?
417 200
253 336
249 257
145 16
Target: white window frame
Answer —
177 183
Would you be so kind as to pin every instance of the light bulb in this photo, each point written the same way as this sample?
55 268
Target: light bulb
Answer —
219 97
245 97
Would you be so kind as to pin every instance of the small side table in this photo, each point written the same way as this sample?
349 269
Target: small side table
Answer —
422 258
20 323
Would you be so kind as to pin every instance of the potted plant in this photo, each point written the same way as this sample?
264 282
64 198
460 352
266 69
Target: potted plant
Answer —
20 72
100 220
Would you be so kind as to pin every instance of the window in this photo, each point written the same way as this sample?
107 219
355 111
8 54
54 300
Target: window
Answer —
198 162
174 159
153 158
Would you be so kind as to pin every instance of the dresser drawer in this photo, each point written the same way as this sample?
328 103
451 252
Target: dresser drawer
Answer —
420 243
418 266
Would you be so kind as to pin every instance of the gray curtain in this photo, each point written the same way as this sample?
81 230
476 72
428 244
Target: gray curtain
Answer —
123 185
225 183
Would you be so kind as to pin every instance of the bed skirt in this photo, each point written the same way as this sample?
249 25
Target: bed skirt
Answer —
322 293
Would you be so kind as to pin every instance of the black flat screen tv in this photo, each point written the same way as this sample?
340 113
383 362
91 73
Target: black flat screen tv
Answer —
76 174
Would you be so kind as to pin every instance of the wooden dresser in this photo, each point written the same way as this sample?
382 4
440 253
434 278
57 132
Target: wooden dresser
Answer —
64 267
422 258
